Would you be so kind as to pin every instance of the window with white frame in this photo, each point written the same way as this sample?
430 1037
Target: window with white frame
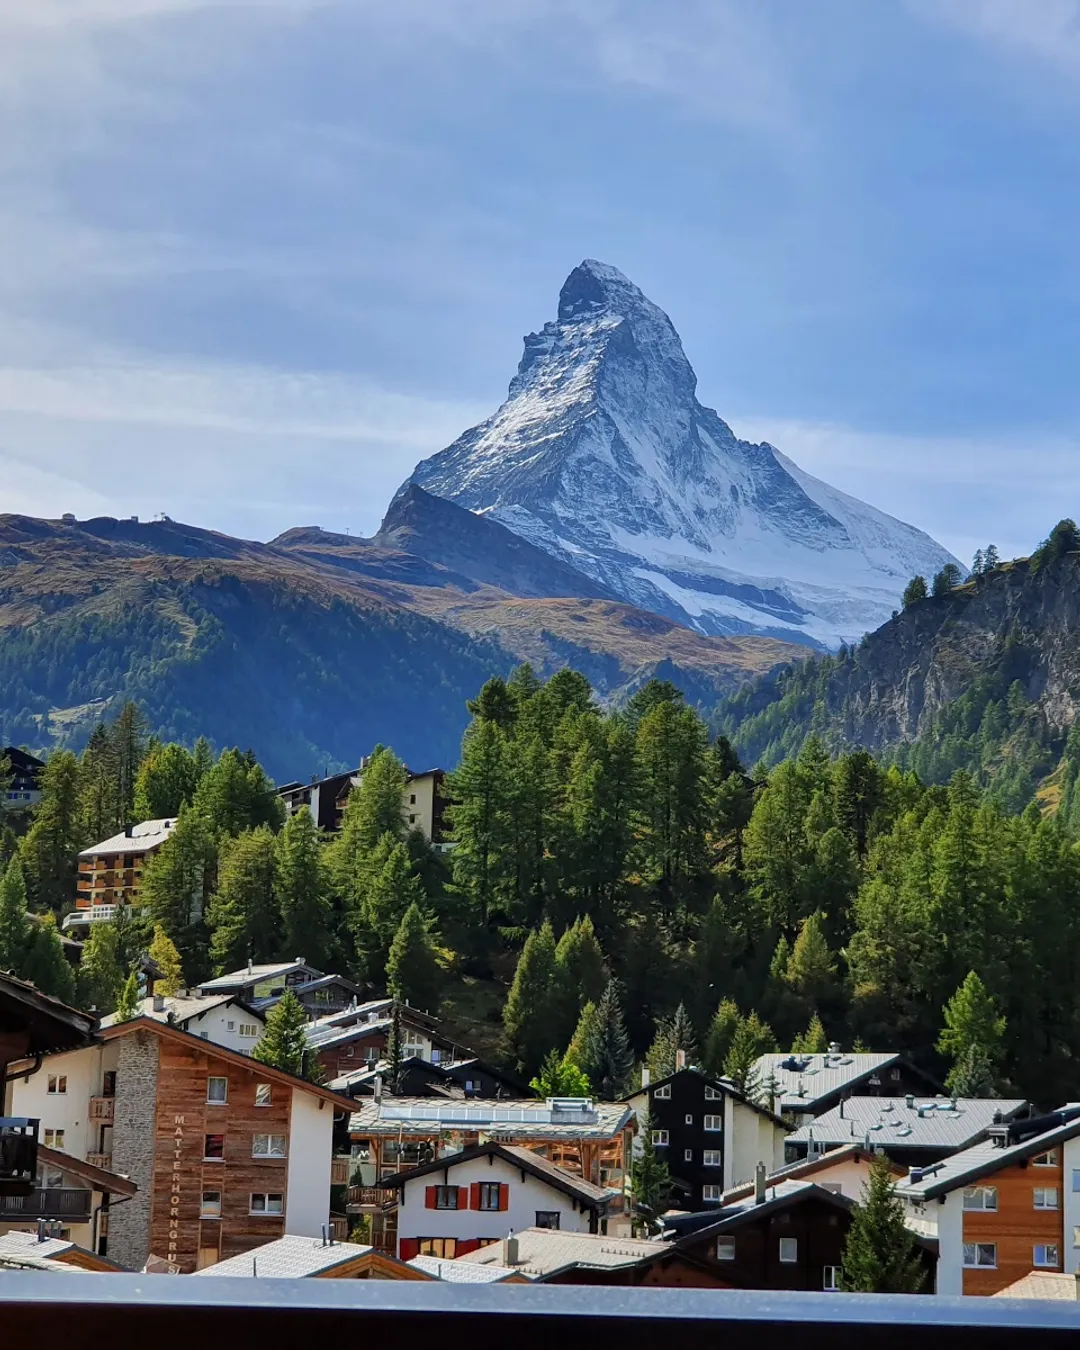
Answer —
830 1278
230 1026
713 1094
663 1093
268 1146
1045 1254
982 1254
688 1155
57 1085
713 1123
267 1203
713 1157
660 1138
1046 1197
249 1030
210 1208
689 1120
263 1094
712 1195
981 1197
217 1091
54 1139
1050 1158
725 1249
789 1251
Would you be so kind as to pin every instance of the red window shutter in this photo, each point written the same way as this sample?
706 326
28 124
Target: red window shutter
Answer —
504 1195
462 1198
429 1196
474 1195
408 1248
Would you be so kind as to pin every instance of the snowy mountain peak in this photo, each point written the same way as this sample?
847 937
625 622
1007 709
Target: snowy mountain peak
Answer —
603 456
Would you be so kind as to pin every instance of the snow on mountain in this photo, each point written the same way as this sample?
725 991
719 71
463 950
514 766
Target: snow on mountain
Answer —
603 456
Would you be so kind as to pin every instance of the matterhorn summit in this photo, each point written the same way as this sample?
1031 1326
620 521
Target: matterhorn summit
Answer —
603 456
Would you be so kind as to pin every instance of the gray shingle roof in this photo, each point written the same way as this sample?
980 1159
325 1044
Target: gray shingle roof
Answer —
182 1007
324 1038
251 975
821 1075
288 1258
463 1272
542 1251
149 834
541 1168
525 1119
931 1122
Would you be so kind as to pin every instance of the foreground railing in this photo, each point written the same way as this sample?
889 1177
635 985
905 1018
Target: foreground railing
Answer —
250 1314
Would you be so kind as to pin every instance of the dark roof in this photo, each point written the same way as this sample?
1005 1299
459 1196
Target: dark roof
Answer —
807 1167
50 1024
100 1178
21 760
784 1196
725 1085
595 1197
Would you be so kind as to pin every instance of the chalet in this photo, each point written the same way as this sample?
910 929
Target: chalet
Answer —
262 986
802 1086
550 1256
1004 1207
423 804
305 1258
423 1078
71 1197
221 1018
467 1200
708 1133
787 1236
24 778
912 1130
111 873
845 1170
344 1043
226 1153
36 1250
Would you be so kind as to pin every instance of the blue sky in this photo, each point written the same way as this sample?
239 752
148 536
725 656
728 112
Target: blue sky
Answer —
262 255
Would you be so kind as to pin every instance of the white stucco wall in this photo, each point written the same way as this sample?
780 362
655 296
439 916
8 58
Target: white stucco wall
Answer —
1070 1158
311 1146
749 1138
850 1174
215 1026
525 1198
69 1112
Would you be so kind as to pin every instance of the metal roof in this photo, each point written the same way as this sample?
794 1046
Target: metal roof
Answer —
254 975
289 1258
520 1119
464 1272
542 1251
541 1168
182 1007
798 1089
883 1122
144 836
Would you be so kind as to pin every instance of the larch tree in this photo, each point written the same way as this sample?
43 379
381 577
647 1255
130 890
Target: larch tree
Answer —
243 914
15 926
972 1037
720 1035
166 781
413 973
530 1009
301 891
175 883
127 1005
166 959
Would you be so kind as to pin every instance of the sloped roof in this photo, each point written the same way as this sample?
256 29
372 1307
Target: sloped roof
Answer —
1042 1284
16 1245
543 1251
236 979
520 1119
51 1025
465 1272
99 1178
806 1167
781 1196
146 835
820 1076
724 1085
930 1122
289 1258
184 1007
541 1168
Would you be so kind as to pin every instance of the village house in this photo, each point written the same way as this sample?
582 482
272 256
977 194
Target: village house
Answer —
305 1258
111 873
24 778
70 1196
1004 1207
357 1037
552 1256
226 1153
221 1018
467 1200
38 1251
262 986
709 1135
423 802
912 1130
467 1272
803 1086
845 1171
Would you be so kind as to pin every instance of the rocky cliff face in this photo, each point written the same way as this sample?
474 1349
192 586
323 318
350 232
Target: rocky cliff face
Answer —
603 456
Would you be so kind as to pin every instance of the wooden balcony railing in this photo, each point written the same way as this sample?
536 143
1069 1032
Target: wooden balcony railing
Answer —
47 1202
370 1197
102 1109
340 1168
100 1160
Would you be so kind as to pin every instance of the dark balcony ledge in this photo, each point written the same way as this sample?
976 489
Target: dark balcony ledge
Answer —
241 1313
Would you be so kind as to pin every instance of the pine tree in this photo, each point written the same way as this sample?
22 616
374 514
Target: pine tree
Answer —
560 1076
721 1033
166 958
50 849
977 563
972 1035
392 889
174 886
373 811
128 738
45 964
813 1041
236 795
650 1180
478 789
283 1044
607 1059
395 1049
413 973
581 973
532 1002
673 1034
302 893
915 591
990 558
881 1255
127 1005
15 926
101 974
166 781
242 914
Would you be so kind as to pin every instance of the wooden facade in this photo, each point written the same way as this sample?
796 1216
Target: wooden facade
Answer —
1016 1227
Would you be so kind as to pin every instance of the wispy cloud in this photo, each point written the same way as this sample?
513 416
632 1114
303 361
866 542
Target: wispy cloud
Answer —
1047 30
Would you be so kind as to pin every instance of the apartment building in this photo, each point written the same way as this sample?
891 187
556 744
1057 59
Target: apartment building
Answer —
111 873
1003 1208
709 1135
423 803
24 779
226 1153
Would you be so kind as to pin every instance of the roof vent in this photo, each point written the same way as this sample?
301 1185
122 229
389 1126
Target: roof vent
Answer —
914 1176
909 1101
510 1250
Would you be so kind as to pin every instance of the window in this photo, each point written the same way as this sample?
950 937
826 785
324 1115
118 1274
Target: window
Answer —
446 1197
712 1195
267 1203
489 1195
663 1093
1046 1197
444 1247
712 1157
263 1095
249 1029
714 1123
725 1249
57 1085
412 819
547 1218
412 798
1044 1254
1047 1159
789 1251
980 1254
1076 1179
689 1120
214 1148
54 1139
230 1026
688 1155
981 1197
830 1278
660 1138
217 1091
713 1094
268 1146
211 1205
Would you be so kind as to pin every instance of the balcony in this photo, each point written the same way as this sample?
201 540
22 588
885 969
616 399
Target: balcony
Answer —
340 1168
18 1155
102 1110
371 1197
102 1160
48 1202
86 913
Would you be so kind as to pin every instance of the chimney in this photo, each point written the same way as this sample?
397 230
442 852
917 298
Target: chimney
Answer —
324 1235
41 1230
759 1184
510 1250
250 966
645 1076
159 1003
680 1059
909 1101
128 830
378 1087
